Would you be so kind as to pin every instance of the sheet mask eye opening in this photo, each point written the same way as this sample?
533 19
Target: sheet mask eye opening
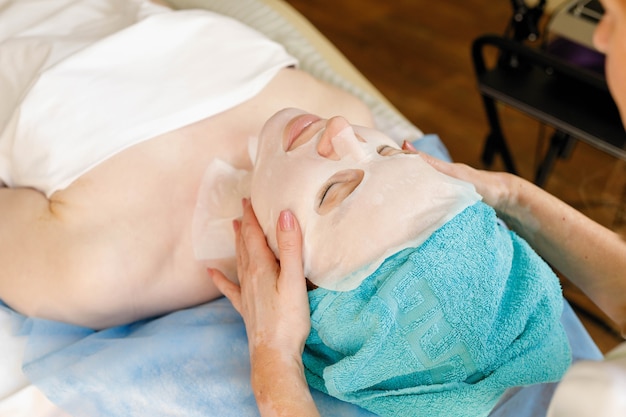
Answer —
337 188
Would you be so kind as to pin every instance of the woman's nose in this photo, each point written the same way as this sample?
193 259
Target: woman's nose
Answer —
335 127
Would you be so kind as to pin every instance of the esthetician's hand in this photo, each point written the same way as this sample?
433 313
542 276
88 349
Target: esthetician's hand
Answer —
578 247
497 188
272 299
272 296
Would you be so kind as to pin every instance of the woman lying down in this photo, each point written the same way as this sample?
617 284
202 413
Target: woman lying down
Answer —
107 134
425 304
121 177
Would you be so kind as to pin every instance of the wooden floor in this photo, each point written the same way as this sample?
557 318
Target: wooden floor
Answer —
417 53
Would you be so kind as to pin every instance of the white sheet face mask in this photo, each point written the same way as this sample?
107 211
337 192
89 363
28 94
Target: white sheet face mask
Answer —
357 197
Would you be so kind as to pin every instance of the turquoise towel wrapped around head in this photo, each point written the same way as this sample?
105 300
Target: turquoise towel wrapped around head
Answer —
443 329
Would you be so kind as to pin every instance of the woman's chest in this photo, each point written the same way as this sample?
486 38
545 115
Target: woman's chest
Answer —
144 198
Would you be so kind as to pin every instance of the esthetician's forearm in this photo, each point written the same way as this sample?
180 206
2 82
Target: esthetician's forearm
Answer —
280 386
590 255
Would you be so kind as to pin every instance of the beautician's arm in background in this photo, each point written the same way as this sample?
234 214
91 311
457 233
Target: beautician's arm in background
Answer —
590 255
273 302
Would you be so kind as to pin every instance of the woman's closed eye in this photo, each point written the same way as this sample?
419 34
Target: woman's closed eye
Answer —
386 150
338 188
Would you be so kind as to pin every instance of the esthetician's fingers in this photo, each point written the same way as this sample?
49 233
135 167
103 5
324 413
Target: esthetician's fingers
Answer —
230 290
258 271
447 168
291 282
254 258
495 187
438 164
289 237
408 146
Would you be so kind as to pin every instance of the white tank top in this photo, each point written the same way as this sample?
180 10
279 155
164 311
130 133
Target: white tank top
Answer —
92 98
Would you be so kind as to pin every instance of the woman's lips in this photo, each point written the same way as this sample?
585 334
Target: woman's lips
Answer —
296 126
